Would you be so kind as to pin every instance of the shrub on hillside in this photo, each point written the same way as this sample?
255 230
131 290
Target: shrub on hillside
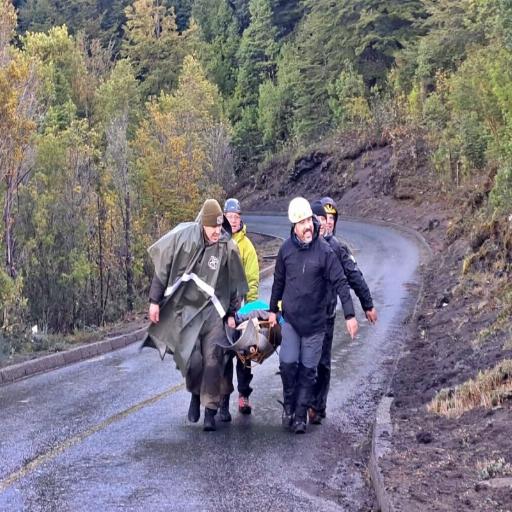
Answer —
501 194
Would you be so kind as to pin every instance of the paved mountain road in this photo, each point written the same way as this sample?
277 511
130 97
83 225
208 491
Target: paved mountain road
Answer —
111 433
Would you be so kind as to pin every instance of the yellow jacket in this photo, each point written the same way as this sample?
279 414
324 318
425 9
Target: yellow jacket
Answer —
250 263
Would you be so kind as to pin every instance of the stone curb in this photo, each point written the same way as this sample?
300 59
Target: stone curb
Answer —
381 445
10 374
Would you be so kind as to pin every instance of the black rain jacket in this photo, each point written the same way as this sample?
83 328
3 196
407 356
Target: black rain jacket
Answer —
303 277
354 277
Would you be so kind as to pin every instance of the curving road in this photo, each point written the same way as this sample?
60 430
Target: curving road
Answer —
111 433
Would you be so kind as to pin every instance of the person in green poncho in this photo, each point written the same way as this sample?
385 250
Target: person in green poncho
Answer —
198 284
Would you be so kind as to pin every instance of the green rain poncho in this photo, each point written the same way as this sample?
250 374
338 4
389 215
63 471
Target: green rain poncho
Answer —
196 275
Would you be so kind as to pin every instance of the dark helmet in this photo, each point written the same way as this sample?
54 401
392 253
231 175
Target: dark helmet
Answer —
318 209
330 206
232 205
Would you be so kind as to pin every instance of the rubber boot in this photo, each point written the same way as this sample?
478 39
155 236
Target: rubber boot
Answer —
194 408
209 420
289 378
306 381
299 427
224 414
287 417
321 388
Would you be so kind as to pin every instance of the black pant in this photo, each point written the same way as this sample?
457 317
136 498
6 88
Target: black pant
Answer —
323 373
204 376
243 375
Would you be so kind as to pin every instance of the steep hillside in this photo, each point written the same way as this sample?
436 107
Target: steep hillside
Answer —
385 179
444 457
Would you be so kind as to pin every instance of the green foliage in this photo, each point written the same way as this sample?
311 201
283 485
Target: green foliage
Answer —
473 141
257 53
257 59
99 19
178 152
501 194
12 303
347 98
219 29
275 110
60 229
435 112
286 15
155 46
120 93
449 30
111 173
183 10
380 31
471 109
63 66
242 13
366 34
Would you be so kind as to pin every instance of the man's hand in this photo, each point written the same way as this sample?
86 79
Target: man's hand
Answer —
231 322
371 315
272 319
352 326
154 313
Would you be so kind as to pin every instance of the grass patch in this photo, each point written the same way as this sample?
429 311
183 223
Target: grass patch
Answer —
497 295
488 389
494 468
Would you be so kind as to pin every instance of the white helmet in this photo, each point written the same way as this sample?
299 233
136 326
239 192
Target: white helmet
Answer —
299 209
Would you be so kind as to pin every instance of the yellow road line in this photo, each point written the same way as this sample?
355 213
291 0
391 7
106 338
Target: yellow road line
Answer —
68 443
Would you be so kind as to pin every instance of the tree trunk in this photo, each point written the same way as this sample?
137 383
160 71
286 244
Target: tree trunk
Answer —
101 263
8 227
129 255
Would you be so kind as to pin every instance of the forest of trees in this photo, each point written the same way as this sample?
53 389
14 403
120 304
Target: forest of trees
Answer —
117 118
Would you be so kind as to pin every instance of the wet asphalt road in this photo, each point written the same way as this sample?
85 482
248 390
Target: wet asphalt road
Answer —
111 433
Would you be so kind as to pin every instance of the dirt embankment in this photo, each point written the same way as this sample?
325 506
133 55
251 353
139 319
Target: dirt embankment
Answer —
463 322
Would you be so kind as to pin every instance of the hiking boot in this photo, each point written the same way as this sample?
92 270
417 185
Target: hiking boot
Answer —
224 414
193 408
209 420
299 427
314 417
243 405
